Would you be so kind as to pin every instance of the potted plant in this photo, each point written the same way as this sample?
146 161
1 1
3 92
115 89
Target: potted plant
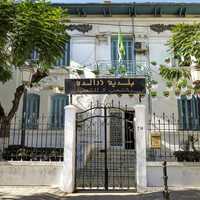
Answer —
96 72
154 63
182 83
177 93
189 152
188 93
167 60
166 93
122 70
195 71
169 84
153 94
112 70
80 71
154 84
197 91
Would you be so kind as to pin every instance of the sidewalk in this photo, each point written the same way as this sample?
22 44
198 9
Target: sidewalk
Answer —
47 193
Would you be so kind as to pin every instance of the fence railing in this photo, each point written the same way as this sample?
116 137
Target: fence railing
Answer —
115 68
42 142
166 140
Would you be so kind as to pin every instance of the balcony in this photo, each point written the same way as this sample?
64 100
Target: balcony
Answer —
124 68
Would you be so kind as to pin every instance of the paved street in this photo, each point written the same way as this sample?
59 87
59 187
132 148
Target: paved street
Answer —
45 193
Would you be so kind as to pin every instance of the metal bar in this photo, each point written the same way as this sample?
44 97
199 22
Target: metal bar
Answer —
165 178
24 118
105 146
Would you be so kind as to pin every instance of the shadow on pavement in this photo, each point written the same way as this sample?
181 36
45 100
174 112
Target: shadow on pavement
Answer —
174 195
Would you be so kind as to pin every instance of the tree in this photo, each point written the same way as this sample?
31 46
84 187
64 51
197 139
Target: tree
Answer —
27 27
185 45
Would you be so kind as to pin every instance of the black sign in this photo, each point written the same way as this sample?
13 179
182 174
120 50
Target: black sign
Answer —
105 86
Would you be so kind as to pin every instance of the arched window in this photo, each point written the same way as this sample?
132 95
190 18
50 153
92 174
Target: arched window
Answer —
32 108
58 102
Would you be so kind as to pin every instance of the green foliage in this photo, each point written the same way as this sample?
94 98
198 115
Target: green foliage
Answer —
166 93
154 82
188 92
153 94
177 92
112 70
122 70
174 74
169 84
182 83
185 42
28 26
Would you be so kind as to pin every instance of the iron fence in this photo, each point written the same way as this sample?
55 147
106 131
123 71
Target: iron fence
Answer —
167 140
28 139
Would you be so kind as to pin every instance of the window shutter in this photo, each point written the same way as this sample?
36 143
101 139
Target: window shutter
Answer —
189 113
195 113
180 113
32 110
58 103
65 60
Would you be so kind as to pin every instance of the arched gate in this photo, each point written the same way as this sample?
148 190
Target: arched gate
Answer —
105 149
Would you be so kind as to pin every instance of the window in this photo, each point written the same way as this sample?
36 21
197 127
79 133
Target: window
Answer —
58 102
31 115
189 113
65 60
129 58
34 55
116 129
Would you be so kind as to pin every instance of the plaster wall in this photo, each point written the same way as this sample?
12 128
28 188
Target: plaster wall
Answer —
30 173
94 46
179 174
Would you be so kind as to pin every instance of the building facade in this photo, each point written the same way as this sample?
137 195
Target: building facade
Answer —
93 52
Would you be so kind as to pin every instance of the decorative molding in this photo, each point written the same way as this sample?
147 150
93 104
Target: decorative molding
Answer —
80 27
161 27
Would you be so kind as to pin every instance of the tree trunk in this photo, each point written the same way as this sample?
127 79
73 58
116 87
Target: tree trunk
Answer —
5 120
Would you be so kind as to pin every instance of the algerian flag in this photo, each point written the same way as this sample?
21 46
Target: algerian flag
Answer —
121 49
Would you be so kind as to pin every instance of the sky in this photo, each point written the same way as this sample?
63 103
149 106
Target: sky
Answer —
124 1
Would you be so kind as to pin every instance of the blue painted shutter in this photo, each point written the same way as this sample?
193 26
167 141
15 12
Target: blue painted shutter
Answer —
65 60
57 111
32 110
189 113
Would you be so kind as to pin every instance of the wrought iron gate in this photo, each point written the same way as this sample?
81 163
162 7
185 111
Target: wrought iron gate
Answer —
105 149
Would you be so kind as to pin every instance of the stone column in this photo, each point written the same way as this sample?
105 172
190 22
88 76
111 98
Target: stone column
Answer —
141 170
68 174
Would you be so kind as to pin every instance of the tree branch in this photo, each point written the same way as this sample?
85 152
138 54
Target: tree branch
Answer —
36 77
2 113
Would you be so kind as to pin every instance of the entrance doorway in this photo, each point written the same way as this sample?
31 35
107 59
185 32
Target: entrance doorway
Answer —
103 163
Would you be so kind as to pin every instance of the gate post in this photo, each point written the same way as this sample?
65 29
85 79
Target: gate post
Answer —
68 173
141 171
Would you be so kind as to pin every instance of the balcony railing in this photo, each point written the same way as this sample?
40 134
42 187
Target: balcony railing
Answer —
116 68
